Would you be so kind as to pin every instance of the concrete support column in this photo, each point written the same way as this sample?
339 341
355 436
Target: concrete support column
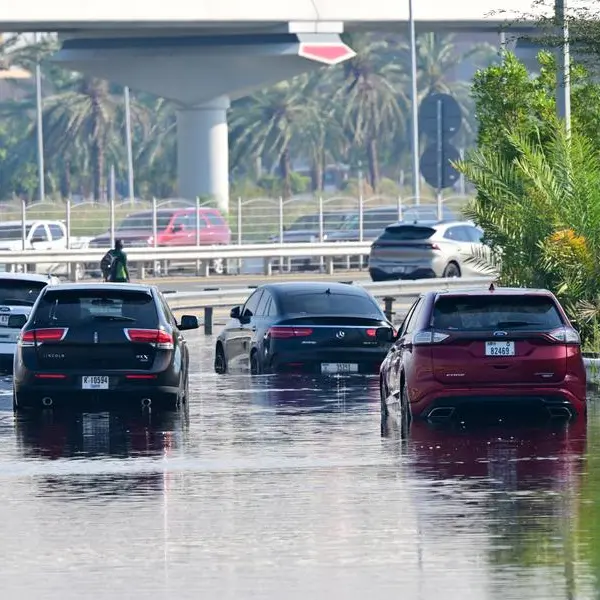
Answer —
203 151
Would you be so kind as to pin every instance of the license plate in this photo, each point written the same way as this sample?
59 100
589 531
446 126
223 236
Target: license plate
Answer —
339 368
399 270
94 382
499 348
4 320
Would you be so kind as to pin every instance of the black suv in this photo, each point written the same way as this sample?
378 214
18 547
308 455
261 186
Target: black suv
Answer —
99 344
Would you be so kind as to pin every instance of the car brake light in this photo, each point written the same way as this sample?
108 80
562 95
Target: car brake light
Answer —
39 336
428 337
565 335
280 333
371 332
155 337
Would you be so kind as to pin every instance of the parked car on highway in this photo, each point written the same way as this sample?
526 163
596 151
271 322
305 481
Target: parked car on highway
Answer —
307 229
16 236
311 327
18 293
174 227
504 346
428 249
102 342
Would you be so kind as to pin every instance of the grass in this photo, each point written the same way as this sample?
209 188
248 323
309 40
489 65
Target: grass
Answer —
259 220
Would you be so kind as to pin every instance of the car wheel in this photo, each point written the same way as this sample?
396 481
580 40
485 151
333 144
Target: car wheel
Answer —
220 360
451 270
254 363
405 414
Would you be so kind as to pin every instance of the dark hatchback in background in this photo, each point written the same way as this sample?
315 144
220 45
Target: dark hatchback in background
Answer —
320 328
102 343
477 350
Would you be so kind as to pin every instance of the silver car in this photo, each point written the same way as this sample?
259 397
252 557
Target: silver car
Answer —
428 249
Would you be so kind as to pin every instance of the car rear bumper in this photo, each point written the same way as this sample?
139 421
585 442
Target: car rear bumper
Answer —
31 390
558 401
368 360
378 274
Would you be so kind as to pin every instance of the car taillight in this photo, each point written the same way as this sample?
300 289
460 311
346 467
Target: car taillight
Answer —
371 332
39 336
565 335
281 333
428 337
156 337
433 247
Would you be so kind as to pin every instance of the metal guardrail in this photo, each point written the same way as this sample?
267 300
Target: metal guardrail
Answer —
388 292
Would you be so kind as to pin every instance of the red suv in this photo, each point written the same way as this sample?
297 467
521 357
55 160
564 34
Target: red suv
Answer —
496 347
174 227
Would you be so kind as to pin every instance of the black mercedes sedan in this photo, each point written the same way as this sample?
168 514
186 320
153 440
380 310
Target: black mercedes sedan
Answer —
320 328
101 343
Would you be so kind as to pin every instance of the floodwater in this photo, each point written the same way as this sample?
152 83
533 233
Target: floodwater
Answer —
278 489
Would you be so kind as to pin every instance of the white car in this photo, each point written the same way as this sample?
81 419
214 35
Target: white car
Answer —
18 293
17 236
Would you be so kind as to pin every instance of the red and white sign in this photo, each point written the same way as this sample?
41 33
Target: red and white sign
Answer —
328 54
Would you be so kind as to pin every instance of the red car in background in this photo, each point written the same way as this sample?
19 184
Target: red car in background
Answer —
174 227
484 348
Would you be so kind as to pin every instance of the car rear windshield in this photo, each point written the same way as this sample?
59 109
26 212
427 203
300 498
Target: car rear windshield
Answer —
307 303
20 292
406 233
474 313
70 308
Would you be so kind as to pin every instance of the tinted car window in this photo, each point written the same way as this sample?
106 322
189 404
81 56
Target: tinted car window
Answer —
143 222
473 313
40 234
261 310
457 234
69 307
406 233
475 235
56 232
414 318
252 302
20 293
214 219
329 304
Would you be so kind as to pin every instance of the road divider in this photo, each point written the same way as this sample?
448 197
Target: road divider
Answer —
394 295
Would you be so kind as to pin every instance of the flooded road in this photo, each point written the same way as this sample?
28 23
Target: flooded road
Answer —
285 489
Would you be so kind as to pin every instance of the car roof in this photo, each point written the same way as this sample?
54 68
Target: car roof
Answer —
433 223
314 287
27 277
30 222
135 287
497 291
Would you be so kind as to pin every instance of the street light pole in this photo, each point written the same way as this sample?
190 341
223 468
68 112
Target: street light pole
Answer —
414 106
563 75
130 190
40 130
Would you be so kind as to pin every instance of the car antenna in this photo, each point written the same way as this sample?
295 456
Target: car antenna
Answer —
492 287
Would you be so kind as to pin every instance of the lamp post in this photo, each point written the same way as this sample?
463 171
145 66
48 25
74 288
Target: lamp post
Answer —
414 106
40 130
563 78
130 190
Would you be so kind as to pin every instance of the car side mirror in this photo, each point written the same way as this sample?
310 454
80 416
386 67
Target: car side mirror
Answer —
17 321
188 322
246 316
236 312
385 334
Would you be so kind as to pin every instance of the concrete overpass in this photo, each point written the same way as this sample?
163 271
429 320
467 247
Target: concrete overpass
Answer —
203 54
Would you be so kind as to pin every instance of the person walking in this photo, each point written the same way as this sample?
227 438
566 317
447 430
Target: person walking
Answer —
114 264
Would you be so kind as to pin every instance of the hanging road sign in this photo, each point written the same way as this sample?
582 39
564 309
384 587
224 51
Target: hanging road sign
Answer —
451 116
436 166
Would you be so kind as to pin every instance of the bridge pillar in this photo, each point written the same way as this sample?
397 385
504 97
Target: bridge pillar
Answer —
203 150
200 74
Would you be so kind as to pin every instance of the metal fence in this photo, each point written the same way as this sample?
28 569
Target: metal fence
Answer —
256 220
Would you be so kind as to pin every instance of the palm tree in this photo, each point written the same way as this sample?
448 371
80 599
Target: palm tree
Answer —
265 125
371 98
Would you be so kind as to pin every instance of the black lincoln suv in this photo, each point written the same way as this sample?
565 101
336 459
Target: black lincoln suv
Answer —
103 343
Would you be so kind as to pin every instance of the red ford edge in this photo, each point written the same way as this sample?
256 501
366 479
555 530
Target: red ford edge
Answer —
496 347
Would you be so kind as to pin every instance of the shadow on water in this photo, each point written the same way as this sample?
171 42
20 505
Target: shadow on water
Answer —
297 394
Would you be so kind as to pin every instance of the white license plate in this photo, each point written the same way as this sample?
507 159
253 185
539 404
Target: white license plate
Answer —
499 348
399 269
94 382
339 368
4 320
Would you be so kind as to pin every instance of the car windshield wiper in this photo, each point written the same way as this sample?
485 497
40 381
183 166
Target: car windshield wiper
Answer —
113 318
